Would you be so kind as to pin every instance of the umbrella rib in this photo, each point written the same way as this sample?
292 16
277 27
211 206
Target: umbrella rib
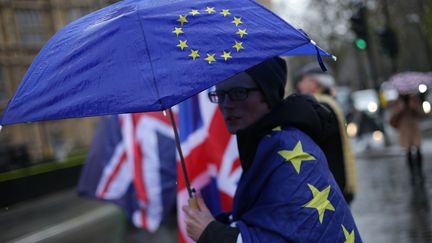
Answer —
170 111
148 55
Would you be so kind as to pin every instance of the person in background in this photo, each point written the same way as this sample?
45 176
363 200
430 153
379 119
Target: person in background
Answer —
404 115
286 192
312 80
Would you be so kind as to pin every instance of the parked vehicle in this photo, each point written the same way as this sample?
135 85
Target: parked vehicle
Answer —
363 115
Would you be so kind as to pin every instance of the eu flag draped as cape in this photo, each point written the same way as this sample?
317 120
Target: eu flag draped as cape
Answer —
289 195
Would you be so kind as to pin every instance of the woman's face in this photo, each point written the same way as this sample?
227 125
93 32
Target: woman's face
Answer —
241 114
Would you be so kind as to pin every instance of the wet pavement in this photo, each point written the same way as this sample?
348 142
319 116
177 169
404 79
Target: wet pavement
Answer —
61 217
388 207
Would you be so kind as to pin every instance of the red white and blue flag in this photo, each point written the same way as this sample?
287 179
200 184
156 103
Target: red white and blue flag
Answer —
131 163
211 157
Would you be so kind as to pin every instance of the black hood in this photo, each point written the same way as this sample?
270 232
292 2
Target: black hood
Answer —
300 111
270 77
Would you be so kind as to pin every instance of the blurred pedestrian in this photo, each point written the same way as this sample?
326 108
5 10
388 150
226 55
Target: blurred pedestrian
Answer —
312 80
404 116
286 192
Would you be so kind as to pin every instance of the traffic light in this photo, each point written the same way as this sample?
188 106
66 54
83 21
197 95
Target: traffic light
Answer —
360 28
389 43
360 43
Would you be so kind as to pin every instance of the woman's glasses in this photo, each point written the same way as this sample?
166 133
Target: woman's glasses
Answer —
234 94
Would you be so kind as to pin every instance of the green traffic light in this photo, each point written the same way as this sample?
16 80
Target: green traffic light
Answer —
360 43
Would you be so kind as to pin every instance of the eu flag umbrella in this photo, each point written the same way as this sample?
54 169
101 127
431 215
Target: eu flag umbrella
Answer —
138 56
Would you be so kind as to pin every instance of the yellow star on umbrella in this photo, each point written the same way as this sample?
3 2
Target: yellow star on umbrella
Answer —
210 10
320 201
226 55
194 54
210 58
178 31
238 46
241 32
296 156
349 236
182 44
237 21
194 12
225 12
182 19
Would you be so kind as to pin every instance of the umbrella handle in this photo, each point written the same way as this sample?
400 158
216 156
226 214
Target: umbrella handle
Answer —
193 203
182 161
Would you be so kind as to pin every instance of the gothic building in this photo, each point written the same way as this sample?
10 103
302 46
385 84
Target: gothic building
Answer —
25 26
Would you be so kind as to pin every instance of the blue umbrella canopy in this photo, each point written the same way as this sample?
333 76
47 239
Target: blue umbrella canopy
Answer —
136 56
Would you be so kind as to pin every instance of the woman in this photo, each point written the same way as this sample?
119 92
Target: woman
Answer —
286 192
404 116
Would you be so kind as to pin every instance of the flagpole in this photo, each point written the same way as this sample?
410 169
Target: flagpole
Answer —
183 164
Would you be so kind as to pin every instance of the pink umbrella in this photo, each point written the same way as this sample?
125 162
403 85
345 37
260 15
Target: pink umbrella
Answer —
409 82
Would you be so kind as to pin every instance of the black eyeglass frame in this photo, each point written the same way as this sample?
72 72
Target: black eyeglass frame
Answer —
218 96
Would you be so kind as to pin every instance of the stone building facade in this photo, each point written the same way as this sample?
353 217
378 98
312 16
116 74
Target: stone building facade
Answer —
25 26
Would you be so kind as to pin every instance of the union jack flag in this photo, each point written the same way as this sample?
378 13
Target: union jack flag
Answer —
131 164
132 158
211 158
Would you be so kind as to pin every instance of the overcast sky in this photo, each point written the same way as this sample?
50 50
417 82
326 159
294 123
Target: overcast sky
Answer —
291 10
298 14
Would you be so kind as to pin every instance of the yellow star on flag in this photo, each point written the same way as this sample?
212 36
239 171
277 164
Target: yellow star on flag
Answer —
241 32
210 58
320 201
349 236
238 46
178 31
277 129
237 21
225 12
296 156
182 44
194 12
226 55
182 19
210 10
194 54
